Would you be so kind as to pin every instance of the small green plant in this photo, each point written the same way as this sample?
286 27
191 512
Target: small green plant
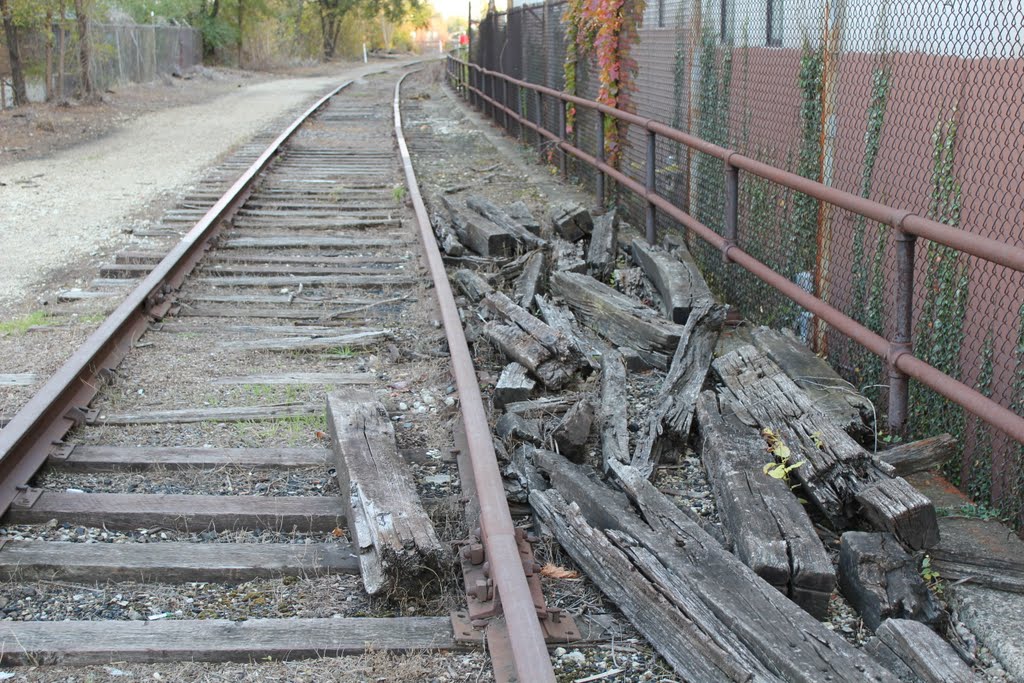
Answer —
931 575
25 323
970 511
342 352
780 467
398 192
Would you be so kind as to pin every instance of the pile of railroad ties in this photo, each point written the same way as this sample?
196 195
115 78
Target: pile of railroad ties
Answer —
804 504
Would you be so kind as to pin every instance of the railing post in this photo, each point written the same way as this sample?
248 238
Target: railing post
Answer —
540 125
599 153
504 101
730 221
488 86
520 130
649 185
562 161
899 383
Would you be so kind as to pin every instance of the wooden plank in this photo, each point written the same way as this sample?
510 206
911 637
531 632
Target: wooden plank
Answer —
282 313
306 241
571 220
915 652
289 280
305 378
474 286
766 525
617 317
882 580
522 214
604 245
553 340
570 433
586 346
285 411
681 288
671 629
611 416
500 217
169 562
673 408
735 617
518 346
305 330
513 385
138 458
567 256
479 234
395 541
530 282
184 512
918 456
833 396
17 379
842 479
216 640
356 340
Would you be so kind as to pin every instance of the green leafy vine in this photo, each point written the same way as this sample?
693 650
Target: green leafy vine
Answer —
940 328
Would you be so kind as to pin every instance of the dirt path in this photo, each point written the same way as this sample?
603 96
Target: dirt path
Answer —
57 212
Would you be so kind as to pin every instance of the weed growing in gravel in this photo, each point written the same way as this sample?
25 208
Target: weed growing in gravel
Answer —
25 323
300 430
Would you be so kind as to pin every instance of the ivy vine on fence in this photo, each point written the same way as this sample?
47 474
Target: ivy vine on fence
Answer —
868 300
604 30
940 328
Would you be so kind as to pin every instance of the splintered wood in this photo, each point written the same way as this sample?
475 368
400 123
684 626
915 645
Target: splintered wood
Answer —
709 615
842 479
391 533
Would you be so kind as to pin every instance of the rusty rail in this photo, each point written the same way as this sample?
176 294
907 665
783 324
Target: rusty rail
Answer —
532 661
63 401
907 227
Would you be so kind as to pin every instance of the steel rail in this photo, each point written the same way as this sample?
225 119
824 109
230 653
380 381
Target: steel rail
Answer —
62 402
901 219
531 657
897 356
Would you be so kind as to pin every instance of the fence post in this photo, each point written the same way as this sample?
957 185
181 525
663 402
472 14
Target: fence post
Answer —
504 101
899 383
730 220
600 157
562 161
649 185
540 125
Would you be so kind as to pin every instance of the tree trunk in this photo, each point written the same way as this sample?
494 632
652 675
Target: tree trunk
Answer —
329 25
17 75
49 56
85 49
61 46
241 19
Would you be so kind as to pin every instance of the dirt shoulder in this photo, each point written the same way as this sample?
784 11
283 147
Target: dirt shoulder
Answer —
149 143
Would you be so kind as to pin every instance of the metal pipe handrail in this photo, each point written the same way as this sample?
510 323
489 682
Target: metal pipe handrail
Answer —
532 661
898 356
900 219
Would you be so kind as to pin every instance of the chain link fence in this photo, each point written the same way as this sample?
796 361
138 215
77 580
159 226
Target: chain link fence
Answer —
121 53
916 105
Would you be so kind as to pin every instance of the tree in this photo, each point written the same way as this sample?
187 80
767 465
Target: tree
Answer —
82 9
390 12
11 34
331 14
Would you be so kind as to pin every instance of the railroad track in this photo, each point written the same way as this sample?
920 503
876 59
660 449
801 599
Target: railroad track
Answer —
184 445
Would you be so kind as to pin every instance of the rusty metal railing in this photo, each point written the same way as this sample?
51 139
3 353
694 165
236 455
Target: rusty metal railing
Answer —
480 85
